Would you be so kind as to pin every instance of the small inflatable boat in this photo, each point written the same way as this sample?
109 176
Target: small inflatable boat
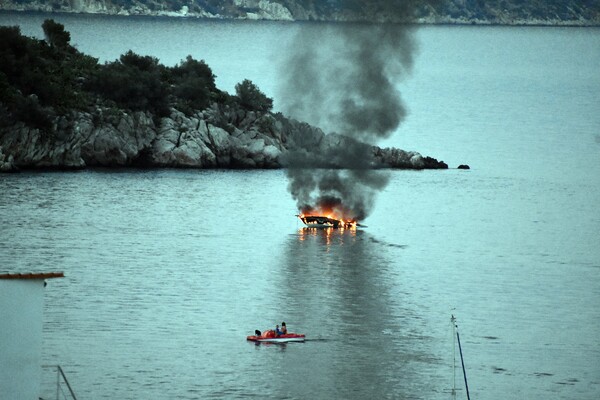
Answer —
272 337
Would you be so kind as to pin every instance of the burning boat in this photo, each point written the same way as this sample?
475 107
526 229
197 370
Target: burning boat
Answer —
319 221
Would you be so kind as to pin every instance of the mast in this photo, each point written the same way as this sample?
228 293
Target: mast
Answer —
452 320
462 361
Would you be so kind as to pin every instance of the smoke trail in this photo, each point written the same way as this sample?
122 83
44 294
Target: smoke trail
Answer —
343 78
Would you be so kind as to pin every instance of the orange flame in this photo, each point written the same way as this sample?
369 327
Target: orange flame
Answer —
345 223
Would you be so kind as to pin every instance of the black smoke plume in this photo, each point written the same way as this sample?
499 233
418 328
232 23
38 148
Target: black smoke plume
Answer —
343 78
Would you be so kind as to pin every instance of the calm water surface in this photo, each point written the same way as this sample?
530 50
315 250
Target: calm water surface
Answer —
168 271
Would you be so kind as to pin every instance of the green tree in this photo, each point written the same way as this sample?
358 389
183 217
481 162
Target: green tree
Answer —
55 34
193 84
141 63
251 98
133 82
24 88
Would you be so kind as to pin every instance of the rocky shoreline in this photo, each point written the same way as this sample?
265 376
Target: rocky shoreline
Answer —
214 138
450 12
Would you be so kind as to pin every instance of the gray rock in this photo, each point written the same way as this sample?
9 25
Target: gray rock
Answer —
109 138
6 162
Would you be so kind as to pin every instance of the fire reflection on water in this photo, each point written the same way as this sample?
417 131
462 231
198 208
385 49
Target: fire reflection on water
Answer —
328 235
346 292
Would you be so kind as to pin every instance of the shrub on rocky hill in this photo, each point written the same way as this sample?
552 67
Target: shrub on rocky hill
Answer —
40 80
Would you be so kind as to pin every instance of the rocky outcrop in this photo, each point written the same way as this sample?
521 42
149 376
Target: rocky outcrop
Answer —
219 137
92 6
264 10
7 163
396 158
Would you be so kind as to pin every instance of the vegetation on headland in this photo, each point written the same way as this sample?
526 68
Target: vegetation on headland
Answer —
42 79
61 109
511 12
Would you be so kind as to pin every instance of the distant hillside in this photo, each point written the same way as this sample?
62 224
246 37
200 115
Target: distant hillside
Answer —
505 12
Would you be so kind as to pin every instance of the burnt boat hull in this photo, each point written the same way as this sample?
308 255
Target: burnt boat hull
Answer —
321 222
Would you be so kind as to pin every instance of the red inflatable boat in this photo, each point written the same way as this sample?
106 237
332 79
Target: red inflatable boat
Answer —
271 336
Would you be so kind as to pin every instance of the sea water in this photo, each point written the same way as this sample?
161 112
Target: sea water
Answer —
167 271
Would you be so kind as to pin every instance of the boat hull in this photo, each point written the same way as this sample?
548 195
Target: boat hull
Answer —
290 337
321 222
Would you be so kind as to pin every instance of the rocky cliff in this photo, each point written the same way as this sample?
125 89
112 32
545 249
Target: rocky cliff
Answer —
217 137
509 12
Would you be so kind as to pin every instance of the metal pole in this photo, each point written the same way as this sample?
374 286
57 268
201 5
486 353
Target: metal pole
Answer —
463 363
67 382
453 357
